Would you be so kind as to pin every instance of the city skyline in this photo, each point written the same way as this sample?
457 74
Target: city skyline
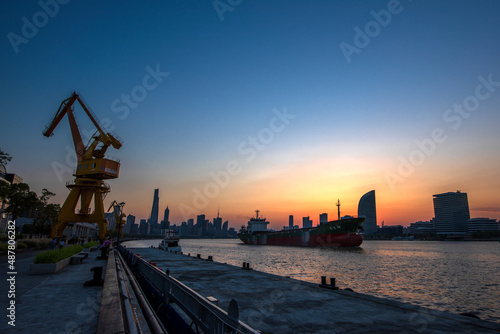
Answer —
281 108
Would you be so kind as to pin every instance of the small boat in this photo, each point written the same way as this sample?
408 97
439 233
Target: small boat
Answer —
170 242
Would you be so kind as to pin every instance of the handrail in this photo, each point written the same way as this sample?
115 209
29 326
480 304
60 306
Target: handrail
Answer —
210 317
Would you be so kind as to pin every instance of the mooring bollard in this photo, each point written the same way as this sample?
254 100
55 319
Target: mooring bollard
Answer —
323 280
96 279
244 265
198 256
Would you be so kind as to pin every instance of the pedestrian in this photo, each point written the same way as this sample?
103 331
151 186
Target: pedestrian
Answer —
53 244
61 244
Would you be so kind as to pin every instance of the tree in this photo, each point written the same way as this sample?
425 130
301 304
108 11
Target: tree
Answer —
22 201
25 203
4 157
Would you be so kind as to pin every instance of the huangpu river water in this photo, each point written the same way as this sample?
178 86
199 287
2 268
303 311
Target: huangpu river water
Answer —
449 276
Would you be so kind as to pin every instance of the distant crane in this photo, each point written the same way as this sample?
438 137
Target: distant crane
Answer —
119 215
93 167
338 207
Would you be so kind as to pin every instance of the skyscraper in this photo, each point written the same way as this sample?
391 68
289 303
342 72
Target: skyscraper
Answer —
218 222
128 225
306 222
290 222
451 211
368 210
323 218
154 210
165 218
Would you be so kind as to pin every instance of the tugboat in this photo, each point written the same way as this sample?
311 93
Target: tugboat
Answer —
170 242
338 233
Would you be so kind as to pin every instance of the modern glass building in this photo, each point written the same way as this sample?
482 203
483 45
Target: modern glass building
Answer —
451 212
368 209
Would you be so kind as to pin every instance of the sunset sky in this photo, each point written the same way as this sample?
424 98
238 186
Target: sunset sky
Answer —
281 106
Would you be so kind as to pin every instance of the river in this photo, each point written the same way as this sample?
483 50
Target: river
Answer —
449 276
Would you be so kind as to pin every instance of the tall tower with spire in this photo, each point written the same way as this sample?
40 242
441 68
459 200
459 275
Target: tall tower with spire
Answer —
165 218
153 220
218 222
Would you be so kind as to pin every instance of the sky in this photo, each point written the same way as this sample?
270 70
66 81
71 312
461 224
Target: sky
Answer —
281 106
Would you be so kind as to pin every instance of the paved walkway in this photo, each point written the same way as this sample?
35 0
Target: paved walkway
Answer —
274 304
57 303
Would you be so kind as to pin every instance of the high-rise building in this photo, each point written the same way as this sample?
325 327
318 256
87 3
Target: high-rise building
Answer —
306 222
451 212
154 210
218 222
290 222
144 227
129 223
368 209
110 217
323 218
166 222
225 225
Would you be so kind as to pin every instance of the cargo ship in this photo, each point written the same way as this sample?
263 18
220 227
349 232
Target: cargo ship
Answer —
338 233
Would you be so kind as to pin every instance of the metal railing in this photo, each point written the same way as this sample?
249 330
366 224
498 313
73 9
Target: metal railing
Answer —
206 315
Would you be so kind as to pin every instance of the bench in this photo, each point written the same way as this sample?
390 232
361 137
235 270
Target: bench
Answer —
76 259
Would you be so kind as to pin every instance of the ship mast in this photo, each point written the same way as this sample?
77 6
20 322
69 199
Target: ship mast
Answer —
338 207
257 212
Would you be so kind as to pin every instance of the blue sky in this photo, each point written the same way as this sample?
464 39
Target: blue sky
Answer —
353 120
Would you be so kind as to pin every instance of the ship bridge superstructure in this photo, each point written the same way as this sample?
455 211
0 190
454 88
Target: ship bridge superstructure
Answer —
257 224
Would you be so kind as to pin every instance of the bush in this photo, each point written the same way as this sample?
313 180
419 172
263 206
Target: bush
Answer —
21 245
3 246
4 237
36 243
90 244
57 255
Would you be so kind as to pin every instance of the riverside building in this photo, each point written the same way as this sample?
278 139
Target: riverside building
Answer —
451 212
368 209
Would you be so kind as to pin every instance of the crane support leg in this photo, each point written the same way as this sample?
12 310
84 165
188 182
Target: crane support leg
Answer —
84 189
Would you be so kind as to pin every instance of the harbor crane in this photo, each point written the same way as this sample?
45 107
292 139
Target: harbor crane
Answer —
119 215
93 167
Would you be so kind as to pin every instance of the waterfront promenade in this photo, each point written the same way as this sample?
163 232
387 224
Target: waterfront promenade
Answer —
274 304
56 303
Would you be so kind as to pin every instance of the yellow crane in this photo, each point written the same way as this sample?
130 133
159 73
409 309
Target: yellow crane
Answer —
119 215
92 169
